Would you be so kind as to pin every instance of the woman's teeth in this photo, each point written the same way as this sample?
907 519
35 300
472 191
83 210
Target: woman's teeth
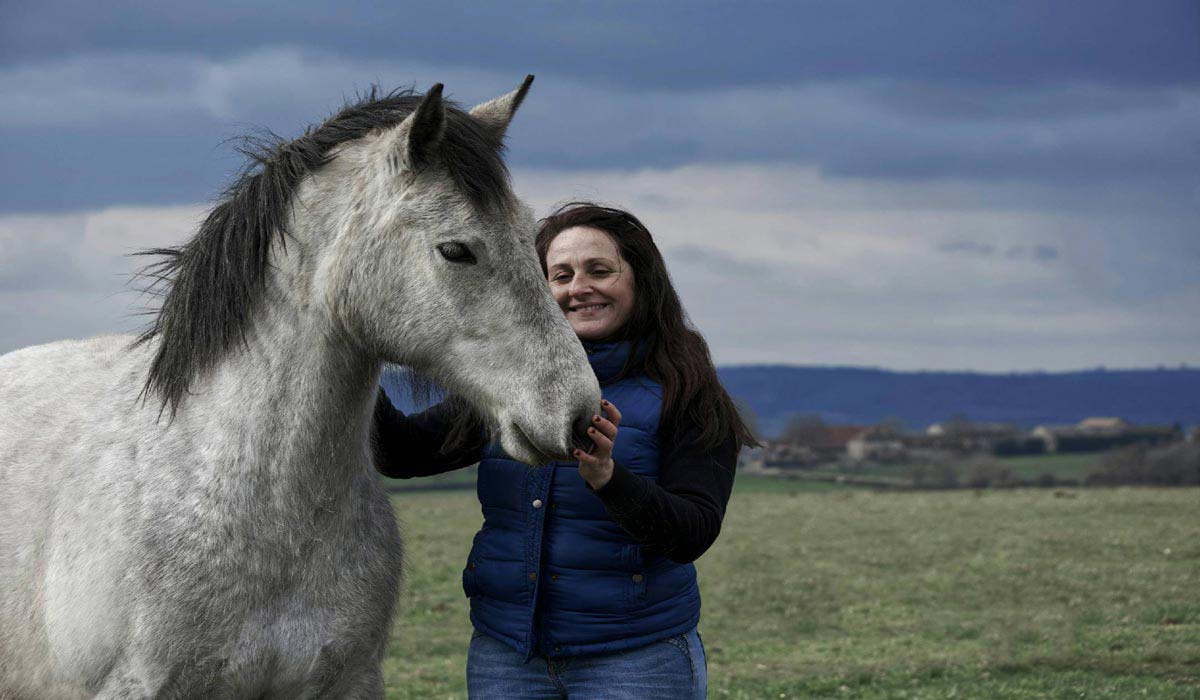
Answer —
590 307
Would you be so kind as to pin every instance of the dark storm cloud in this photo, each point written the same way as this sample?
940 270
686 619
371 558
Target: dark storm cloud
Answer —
967 247
124 103
1039 252
663 44
92 139
56 169
1045 252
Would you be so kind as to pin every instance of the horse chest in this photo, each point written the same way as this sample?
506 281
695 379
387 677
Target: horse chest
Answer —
287 607
285 582
285 649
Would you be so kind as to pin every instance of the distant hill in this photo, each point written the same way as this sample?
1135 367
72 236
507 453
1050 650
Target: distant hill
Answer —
859 395
866 396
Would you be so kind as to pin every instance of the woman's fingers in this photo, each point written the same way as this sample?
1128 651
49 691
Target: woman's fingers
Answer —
614 416
595 469
604 443
603 432
605 427
589 460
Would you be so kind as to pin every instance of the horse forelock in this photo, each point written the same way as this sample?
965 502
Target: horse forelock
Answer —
211 284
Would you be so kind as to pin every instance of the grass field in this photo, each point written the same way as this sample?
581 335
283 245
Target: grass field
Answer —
856 594
1062 466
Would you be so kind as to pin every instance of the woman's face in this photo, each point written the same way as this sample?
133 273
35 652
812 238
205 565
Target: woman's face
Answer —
591 282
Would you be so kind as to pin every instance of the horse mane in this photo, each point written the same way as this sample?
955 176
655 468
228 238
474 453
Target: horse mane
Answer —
211 284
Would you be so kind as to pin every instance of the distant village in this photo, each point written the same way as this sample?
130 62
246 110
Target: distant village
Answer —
809 443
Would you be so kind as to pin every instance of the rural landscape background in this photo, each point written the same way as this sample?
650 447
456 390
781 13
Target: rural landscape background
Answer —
945 255
944 571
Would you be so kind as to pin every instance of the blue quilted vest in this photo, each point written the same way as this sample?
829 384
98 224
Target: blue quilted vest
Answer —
551 573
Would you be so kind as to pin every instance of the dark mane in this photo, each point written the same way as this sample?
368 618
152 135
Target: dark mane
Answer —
212 283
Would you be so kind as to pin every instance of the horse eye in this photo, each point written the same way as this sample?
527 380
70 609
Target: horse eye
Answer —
456 252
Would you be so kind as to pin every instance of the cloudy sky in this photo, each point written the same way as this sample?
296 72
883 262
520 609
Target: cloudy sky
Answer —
934 185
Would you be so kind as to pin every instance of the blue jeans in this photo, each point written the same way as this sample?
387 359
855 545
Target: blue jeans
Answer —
673 669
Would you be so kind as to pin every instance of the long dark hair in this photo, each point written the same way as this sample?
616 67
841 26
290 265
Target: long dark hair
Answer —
676 355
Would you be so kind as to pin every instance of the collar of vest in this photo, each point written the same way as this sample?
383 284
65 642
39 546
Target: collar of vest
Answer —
608 359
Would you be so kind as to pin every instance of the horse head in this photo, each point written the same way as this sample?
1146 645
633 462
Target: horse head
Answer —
427 260
391 227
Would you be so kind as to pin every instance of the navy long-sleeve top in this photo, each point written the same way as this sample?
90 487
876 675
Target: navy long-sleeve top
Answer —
679 515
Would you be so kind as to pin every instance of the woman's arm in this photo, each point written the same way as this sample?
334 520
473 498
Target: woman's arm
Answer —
409 446
680 515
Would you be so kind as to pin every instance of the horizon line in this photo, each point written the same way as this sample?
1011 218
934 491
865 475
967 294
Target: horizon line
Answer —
1181 367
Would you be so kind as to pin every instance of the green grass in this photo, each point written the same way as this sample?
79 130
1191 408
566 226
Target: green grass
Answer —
1025 467
747 484
1064 466
457 479
856 594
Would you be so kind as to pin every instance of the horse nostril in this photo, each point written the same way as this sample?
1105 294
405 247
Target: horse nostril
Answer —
579 434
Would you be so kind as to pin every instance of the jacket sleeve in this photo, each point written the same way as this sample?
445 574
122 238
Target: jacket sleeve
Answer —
680 515
407 446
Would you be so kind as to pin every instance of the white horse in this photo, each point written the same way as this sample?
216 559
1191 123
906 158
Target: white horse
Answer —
194 513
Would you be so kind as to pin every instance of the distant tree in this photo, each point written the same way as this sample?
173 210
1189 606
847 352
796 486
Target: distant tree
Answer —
1172 465
929 475
957 424
1125 465
984 473
806 429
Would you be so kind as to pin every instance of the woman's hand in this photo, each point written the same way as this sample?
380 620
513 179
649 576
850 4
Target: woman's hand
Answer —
597 468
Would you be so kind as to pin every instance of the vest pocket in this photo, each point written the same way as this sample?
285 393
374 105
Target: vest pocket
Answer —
633 569
635 591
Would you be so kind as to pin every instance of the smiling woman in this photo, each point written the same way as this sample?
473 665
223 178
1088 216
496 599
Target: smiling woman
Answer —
591 281
587 564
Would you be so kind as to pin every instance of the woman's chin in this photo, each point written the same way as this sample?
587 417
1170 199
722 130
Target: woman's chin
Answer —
593 332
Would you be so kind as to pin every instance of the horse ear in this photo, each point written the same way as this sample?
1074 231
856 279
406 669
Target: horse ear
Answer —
496 114
421 132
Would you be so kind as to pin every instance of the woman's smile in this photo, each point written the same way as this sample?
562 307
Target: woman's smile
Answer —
589 309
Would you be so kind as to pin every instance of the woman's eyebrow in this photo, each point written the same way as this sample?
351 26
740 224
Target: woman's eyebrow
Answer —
586 261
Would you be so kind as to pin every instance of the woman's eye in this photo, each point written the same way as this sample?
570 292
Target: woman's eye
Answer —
456 252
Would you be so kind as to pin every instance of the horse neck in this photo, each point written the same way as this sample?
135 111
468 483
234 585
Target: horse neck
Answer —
295 406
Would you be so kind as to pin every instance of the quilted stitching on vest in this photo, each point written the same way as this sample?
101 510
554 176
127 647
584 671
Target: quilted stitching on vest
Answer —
551 573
